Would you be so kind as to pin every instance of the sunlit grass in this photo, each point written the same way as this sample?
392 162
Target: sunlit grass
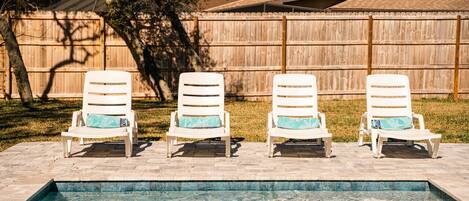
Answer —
248 119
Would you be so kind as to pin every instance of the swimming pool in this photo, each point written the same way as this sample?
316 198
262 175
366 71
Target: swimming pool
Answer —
240 190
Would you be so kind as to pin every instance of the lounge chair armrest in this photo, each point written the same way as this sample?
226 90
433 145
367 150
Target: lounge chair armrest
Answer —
227 122
364 121
368 120
133 119
77 119
419 117
173 122
322 118
270 121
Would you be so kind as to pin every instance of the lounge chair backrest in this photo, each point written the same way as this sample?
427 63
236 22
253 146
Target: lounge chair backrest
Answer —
107 93
201 94
388 95
294 95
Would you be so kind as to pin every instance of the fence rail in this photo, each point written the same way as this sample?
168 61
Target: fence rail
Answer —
249 49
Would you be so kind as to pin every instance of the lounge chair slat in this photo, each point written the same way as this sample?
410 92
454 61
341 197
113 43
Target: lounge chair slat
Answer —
388 92
290 91
201 91
200 100
201 111
390 102
107 99
294 101
108 110
107 89
295 112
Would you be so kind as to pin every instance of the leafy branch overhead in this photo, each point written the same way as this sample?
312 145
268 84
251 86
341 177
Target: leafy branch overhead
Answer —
156 38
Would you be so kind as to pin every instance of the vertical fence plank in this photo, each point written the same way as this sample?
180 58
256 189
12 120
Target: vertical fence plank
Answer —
456 58
370 44
7 77
5 72
195 33
284 44
102 51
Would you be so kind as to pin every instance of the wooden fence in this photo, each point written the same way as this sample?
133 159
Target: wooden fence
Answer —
249 49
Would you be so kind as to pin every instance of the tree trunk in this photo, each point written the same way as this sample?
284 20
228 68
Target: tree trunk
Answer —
16 61
176 23
144 60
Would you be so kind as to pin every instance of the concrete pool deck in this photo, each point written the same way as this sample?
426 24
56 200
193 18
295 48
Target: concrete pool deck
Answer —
26 167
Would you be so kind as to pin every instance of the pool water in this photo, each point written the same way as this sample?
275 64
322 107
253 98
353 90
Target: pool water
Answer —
242 190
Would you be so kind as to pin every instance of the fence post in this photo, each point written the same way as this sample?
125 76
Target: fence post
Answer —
456 58
284 45
370 45
102 44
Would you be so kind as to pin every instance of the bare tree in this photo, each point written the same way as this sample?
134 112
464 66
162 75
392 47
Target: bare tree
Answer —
13 49
155 37
16 8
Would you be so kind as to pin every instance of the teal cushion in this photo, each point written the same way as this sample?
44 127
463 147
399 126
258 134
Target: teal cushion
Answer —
105 121
398 123
297 122
212 121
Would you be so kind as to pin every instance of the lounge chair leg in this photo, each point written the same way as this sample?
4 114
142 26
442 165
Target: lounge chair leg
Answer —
268 140
128 146
360 137
227 147
430 147
168 146
271 147
409 143
380 147
436 147
327 147
135 136
82 141
374 139
67 143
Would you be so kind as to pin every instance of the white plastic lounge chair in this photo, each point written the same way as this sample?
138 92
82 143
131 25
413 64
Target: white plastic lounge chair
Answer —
105 93
200 94
388 96
295 95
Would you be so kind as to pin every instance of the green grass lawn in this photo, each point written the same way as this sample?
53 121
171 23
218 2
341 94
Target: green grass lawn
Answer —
248 119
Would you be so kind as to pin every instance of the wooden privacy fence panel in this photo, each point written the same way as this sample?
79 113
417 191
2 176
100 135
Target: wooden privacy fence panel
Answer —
249 49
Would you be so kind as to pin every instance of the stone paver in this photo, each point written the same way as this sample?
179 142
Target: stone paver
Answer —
26 167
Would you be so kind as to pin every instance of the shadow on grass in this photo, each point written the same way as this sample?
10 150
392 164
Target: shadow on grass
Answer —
19 123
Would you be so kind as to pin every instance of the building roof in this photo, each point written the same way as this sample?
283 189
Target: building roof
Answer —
206 4
239 4
402 5
79 5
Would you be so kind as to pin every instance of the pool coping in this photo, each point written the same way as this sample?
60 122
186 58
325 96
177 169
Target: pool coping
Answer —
430 181
28 167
